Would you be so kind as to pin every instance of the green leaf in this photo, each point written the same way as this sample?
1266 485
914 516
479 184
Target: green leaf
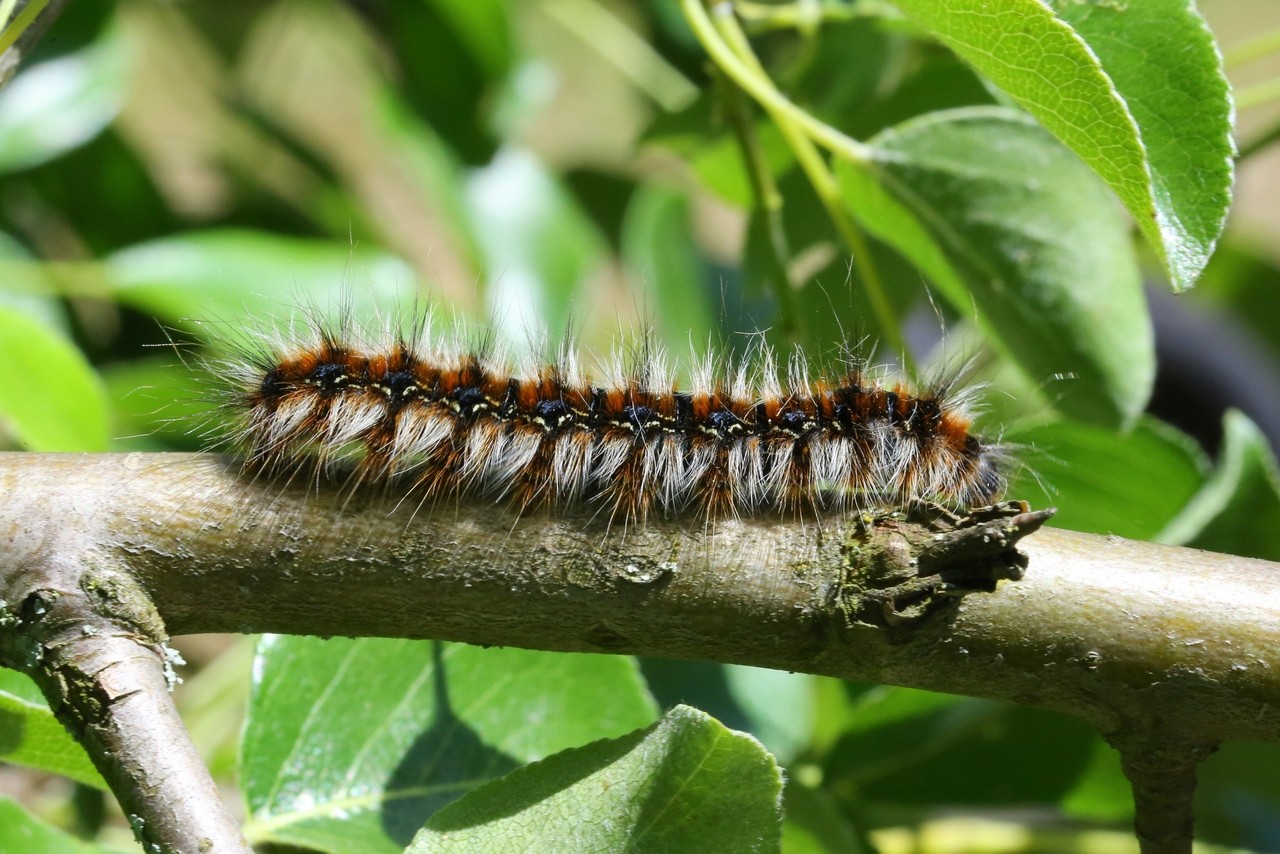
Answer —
1103 792
538 244
482 26
1238 796
814 823
1002 218
30 735
780 706
227 275
777 707
914 747
161 404
27 286
56 106
1238 510
837 71
352 744
1073 467
662 261
21 831
698 134
1135 89
1164 62
686 784
451 56
1241 281
49 394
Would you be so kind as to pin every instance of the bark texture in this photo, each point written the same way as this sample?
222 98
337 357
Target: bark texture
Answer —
1153 645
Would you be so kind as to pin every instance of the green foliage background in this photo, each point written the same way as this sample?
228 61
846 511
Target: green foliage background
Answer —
840 173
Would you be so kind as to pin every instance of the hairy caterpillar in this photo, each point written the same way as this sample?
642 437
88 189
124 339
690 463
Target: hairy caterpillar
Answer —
425 413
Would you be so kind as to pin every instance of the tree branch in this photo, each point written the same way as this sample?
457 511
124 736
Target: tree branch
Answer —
1151 644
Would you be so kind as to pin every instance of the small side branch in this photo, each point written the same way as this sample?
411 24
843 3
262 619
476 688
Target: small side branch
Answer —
89 637
1163 775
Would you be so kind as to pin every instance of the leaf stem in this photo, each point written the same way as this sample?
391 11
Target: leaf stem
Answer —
757 84
808 15
728 47
768 202
15 28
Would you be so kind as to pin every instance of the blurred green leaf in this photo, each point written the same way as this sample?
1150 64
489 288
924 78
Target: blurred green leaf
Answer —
835 309
909 79
21 831
352 744
452 55
85 190
1135 89
226 274
776 707
765 255
433 167
162 404
30 735
1238 509
49 394
836 70
1001 217
27 286
686 784
538 244
663 262
780 705
814 823
877 706
1243 279
1102 793
1238 796
699 134
914 747
1073 467
482 26
56 106
604 197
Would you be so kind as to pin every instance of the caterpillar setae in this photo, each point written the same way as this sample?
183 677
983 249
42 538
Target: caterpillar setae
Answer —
423 413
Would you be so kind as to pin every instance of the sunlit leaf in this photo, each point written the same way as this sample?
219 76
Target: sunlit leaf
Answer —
1005 220
686 784
352 744
30 735
51 108
1135 89
1238 510
227 275
21 831
49 394
1073 467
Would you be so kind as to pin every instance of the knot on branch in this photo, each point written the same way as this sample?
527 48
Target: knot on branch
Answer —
903 568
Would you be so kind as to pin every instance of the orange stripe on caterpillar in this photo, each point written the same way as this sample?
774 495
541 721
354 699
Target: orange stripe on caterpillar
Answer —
438 421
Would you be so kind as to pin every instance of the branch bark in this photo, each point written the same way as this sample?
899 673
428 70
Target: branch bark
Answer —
1151 644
